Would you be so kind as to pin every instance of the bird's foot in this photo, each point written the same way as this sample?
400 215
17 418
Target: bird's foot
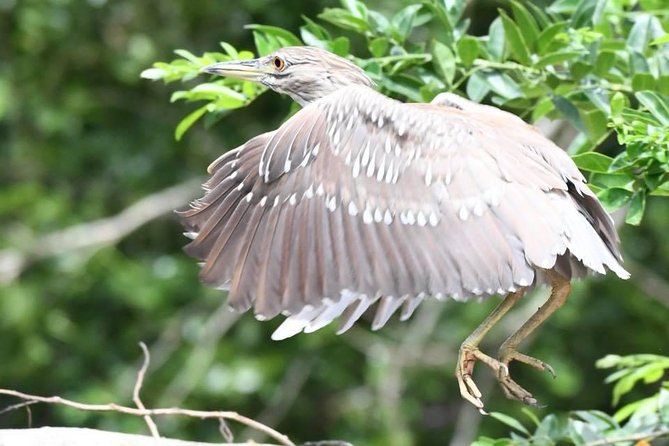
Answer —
512 389
467 357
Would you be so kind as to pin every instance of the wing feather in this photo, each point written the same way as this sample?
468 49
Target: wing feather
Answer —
358 199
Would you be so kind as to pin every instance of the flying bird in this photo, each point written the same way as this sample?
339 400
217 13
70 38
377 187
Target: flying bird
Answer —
359 200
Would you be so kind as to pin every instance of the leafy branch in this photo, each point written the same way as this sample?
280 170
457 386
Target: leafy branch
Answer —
647 419
585 62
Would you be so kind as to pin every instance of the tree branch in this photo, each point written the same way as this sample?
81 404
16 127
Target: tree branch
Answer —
74 436
138 386
113 407
95 234
142 411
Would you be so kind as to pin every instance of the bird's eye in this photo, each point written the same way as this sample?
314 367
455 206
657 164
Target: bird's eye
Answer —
278 63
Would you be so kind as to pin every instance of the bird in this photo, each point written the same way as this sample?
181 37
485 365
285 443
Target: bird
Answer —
359 200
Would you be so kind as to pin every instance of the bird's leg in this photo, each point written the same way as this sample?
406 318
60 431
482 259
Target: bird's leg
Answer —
507 351
469 352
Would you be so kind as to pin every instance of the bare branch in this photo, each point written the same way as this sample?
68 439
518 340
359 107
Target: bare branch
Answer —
96 234
138 386
113 407
73 436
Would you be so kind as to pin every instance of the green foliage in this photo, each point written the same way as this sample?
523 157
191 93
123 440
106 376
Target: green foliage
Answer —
604 69
647 418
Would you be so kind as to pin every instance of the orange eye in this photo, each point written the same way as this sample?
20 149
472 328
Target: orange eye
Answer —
279 63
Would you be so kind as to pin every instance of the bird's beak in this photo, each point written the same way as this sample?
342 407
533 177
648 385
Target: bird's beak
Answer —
250 70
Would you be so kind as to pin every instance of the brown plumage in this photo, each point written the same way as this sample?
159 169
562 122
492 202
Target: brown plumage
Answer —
359 199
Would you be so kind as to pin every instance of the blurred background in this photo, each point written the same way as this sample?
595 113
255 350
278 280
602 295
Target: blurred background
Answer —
91 261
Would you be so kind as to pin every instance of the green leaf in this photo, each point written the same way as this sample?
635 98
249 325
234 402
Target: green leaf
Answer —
315 29
495 44
580 69
526 23
153 73
636 407
440 13
503 85
188 121
531 415
230 50
636 210
643 81
540 16
379 46
357 8
644 29
402 22
444 61
468 50
596 124
344 19
284 36
608 361
615 197
188 56
341 46
509 421
477 87
657 104
661 40
584 14
547 36
556 58
517 44
604 62
592 161
662 190
569 111
543 107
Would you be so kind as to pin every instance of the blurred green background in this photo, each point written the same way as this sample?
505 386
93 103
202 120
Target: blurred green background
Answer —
82 138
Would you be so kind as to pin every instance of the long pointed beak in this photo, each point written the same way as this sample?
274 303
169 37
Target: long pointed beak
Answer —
250 70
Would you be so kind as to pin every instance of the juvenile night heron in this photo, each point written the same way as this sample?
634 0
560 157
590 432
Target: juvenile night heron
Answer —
359 199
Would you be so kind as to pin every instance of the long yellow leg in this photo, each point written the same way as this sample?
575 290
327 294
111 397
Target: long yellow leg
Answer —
507 351
469 352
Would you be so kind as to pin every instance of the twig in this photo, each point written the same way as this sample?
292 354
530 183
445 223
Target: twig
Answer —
113 407
75 436
17 406
138 386
631 437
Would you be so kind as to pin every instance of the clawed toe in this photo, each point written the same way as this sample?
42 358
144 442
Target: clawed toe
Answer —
514 391
470 355
508 355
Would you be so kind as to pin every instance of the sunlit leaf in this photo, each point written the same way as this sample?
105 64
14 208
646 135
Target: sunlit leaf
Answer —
444 61
188 121
468 50
495 44
593 161
510 421
635 212
517 45
657 104
526 23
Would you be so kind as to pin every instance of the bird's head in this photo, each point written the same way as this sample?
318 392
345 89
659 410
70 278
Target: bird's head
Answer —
303 73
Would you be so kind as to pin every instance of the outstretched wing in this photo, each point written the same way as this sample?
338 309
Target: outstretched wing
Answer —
359 198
